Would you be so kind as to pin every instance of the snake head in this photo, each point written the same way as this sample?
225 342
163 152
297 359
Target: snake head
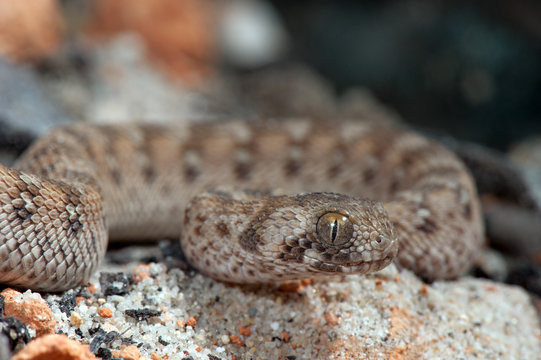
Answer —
249 239
332 233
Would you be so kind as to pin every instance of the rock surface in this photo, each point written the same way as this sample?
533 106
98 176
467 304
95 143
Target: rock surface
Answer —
391 314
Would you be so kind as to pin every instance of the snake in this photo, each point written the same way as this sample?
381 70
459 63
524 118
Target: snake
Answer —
252 202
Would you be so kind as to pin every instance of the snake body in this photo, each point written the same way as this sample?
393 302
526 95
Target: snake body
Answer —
255 202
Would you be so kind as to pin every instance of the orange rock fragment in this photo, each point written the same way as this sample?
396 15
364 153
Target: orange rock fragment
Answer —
191 321
29 29
331 318
33 312
91 288
141 272
246 331
105 312
295 285
199 349
155 356
423 290
129 353
236 340
180 36
285 337
57 347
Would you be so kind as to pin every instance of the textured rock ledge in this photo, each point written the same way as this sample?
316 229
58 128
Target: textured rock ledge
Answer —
159 314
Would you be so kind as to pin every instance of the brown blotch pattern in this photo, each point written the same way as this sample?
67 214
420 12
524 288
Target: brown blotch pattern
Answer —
223 229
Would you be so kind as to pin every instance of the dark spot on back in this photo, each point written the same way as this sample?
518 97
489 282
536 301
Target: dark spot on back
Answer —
428 226
148 173
292 167
197 230
115 175
223 230
394 185
249 239
191 173
415 155
368 175
242 170
334 170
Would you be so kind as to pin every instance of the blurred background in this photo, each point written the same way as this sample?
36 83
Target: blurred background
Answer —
467 68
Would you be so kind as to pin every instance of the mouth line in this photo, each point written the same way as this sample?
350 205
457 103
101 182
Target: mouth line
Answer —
352 267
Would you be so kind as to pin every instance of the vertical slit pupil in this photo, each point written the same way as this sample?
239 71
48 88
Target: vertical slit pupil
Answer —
334 227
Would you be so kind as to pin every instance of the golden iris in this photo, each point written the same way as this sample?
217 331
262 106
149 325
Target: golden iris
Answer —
334 229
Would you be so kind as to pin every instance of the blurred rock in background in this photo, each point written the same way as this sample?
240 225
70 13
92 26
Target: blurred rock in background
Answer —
30 30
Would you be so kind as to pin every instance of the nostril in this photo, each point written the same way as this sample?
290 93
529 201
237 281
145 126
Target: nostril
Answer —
380 242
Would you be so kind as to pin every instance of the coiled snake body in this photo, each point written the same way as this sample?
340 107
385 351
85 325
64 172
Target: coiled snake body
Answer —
80 184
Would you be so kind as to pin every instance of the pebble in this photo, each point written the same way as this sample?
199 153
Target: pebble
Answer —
129 353
76 319
105 312
55 347
31 309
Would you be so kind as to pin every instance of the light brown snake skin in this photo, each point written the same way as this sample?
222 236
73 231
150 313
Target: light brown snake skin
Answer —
80 183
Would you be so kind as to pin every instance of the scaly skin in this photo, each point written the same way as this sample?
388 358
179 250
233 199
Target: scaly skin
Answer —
81 183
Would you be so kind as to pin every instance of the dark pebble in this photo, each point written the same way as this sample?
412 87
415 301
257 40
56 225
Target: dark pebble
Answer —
94 331
162 341
527 276
67 303
173 255
142 314
105 354
212 357
115 283
15 331
102 338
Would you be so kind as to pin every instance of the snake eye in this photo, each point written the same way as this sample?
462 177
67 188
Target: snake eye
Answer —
334 229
